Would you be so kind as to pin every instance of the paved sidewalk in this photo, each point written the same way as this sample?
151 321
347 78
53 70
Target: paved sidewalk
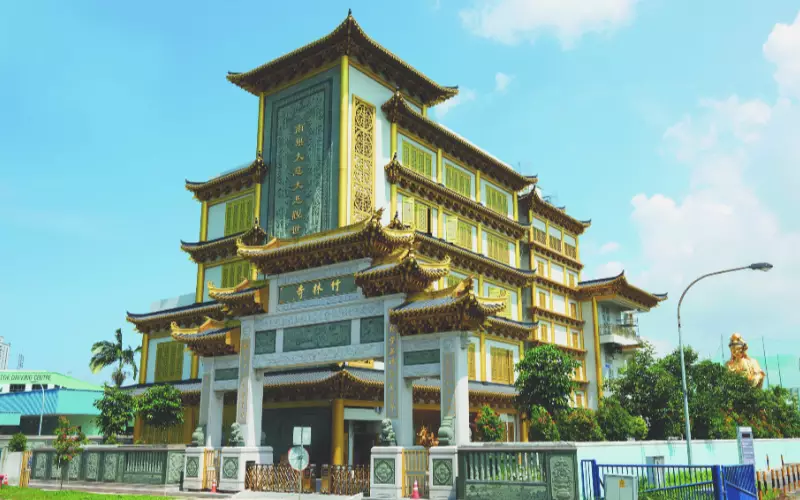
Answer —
127 489
254 495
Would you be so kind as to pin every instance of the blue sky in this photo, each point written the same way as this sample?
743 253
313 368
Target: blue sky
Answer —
669 123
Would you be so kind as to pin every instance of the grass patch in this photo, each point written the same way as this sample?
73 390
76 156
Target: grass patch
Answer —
11 493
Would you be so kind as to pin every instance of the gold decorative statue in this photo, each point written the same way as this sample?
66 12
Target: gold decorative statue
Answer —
742 363
427 438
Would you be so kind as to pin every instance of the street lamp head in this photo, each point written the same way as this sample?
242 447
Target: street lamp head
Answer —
761 266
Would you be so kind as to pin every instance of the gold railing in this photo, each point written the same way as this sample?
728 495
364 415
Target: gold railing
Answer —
334 479
555 244
347 479
539 236
210 468
570 251
415 468
280 478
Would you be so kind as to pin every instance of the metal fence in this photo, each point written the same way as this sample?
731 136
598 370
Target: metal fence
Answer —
673 482
517 470
120 464
334 479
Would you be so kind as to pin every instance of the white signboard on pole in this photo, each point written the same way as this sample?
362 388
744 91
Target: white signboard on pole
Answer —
744 440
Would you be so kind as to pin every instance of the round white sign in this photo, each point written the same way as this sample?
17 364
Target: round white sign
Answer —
298 458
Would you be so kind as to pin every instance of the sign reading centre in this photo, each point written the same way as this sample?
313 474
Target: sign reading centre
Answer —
26 378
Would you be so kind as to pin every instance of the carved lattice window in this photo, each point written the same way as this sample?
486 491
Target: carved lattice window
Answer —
363 158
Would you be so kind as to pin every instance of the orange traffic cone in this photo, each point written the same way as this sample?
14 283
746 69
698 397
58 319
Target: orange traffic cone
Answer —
214 485
415 491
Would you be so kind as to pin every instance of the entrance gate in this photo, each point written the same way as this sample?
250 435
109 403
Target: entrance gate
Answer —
25 469
415 468
210 468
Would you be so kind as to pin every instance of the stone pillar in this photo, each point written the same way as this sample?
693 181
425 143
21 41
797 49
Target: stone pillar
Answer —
386 467
443 469
455 384
397 395
250 393
210 407
337 432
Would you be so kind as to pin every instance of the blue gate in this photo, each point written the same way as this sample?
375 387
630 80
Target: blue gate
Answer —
678 482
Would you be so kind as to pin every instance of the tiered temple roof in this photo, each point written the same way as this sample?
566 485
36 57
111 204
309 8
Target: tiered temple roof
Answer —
347 39
400 272
367 238
618 286
418 184
454 308
185 316
224 247
549 211
244 299
212 338
230 182
398 111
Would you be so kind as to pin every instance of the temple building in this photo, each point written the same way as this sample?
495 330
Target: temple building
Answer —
370 263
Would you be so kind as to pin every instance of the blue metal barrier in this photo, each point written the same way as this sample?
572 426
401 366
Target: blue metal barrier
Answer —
673 482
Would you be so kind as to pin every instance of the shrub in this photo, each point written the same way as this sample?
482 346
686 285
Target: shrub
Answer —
578 424
161 406
617 424
19 442
116 410
542 426
489 426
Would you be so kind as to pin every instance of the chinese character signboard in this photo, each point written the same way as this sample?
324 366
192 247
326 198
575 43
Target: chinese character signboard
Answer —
302 163
317 289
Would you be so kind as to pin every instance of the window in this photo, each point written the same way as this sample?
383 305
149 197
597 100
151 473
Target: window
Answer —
453 280
555 239
544 332
417 215
239 215
496 200
572 279
502 365
471 369
169 361
511 435
543 300
497 248
540 268
576 339
579 399
38 387
539 231
573 310
458 232
234 273
458 181
497 292
17 388
417 159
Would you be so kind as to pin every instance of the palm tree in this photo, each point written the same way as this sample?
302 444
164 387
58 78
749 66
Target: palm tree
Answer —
105 353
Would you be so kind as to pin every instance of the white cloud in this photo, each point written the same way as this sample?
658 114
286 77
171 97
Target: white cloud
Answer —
512 21
608 269
782 48
501 81
738 208
611 246
464 95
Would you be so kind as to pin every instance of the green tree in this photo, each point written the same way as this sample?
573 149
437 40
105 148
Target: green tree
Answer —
545 379
617 423
542 426
106 353
578 424
18 442
160 406
68 445
488 424
116 411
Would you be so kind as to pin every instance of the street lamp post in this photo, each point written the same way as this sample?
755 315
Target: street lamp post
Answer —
758 266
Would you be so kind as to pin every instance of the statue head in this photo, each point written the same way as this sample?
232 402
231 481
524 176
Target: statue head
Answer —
199 436
387 437
737 346
236 438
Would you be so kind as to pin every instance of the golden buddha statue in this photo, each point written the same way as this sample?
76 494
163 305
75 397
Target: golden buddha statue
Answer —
742 363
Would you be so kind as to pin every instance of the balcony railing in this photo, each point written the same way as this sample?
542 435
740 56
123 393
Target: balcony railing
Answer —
629 330
555 244
539 236
571 251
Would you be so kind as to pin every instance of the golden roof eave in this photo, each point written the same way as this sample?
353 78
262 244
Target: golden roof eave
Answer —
346 39
237 180
539 312
400 272
619 286
399 112
212 338
551 212
245 299
367 238
202 252
450 309
511 329
186 316
433 247
418 184
557 256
